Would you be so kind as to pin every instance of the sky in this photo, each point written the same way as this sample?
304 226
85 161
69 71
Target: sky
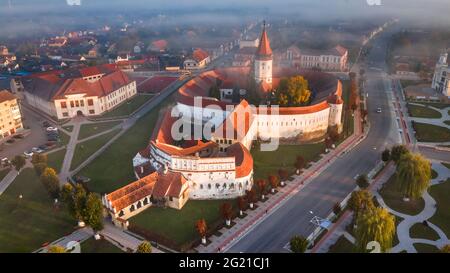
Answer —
25 13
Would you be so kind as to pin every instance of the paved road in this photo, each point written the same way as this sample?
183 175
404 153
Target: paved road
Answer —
435 154
272 234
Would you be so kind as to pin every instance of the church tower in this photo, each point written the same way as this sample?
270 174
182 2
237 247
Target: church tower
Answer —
263 61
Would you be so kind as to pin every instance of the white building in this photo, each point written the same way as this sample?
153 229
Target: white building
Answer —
334 59
90 91
441 77
199 59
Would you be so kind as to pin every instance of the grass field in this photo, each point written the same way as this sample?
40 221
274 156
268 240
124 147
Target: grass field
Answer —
64 138
3 173
394 198
113 168
98 246
128 107
342 245
85 149
447 122
425 248
441 218
431 133
347 118
447 165
68 128
432 104
90 129
421 231
266 163
422 112
27 223
55 159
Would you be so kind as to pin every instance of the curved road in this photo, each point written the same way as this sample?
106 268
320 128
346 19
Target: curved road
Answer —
334 184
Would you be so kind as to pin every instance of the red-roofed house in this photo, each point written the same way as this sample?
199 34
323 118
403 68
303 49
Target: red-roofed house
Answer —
87 91
199 59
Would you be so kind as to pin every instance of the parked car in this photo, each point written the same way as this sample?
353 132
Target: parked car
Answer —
52 129
18 136
43 147
28 154
81 179
6 162
11 140
379 110
36 150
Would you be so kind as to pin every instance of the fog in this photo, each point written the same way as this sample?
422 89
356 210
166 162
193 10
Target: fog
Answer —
22 16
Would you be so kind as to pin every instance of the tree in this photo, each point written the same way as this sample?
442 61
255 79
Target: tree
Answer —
386 155
214 92
144 247
50 180
299 163
377 225
227 212
293 91
56 249
283 174
242 204
337 208
93 212
397 151
445 249
274 182
251 197
39 168
67 193
201 227
362 181
413 173
298 244
39 158
18 162
261 183
77 202
360 201
334 136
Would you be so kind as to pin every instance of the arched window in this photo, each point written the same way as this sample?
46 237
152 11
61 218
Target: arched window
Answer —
132 208
145 201
209 186
224 185
217 185
232 186
139 204
121 213
201 186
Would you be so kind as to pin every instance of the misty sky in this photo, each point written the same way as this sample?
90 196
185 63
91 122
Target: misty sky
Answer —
25 13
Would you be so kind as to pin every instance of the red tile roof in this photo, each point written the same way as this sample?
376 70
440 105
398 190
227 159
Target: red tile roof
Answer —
243 159
264 45
6 96
199 54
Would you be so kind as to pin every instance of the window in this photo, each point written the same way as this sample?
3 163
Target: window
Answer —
82 103
63 104
65 114
91 112
72 104
77 103
90 102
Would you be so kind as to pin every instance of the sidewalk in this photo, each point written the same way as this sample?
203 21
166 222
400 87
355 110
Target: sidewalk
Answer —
7 180
264 209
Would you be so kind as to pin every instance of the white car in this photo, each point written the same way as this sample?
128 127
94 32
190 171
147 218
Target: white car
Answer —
36 150
28 154
52 129
378 110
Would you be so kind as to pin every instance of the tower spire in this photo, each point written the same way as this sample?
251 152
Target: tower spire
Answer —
264 44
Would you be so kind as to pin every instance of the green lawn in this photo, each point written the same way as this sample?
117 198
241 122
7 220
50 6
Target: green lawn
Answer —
342 245
113 168
422 112
431 133
447 122
347 118
406 83
446 164
85 149
421 231
90 129
179 225
99 246
432 104
3 173
425 248
441 218
128 107
434 174
55 159
394 199
266 163
27 223
68 128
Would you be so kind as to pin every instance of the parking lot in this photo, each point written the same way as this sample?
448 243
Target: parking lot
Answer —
35 138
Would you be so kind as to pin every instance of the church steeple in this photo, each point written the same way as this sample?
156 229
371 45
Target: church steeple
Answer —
264 49
263 61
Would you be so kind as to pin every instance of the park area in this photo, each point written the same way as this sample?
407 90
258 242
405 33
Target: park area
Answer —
90 129
28 222
417 111
431 133
128 107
